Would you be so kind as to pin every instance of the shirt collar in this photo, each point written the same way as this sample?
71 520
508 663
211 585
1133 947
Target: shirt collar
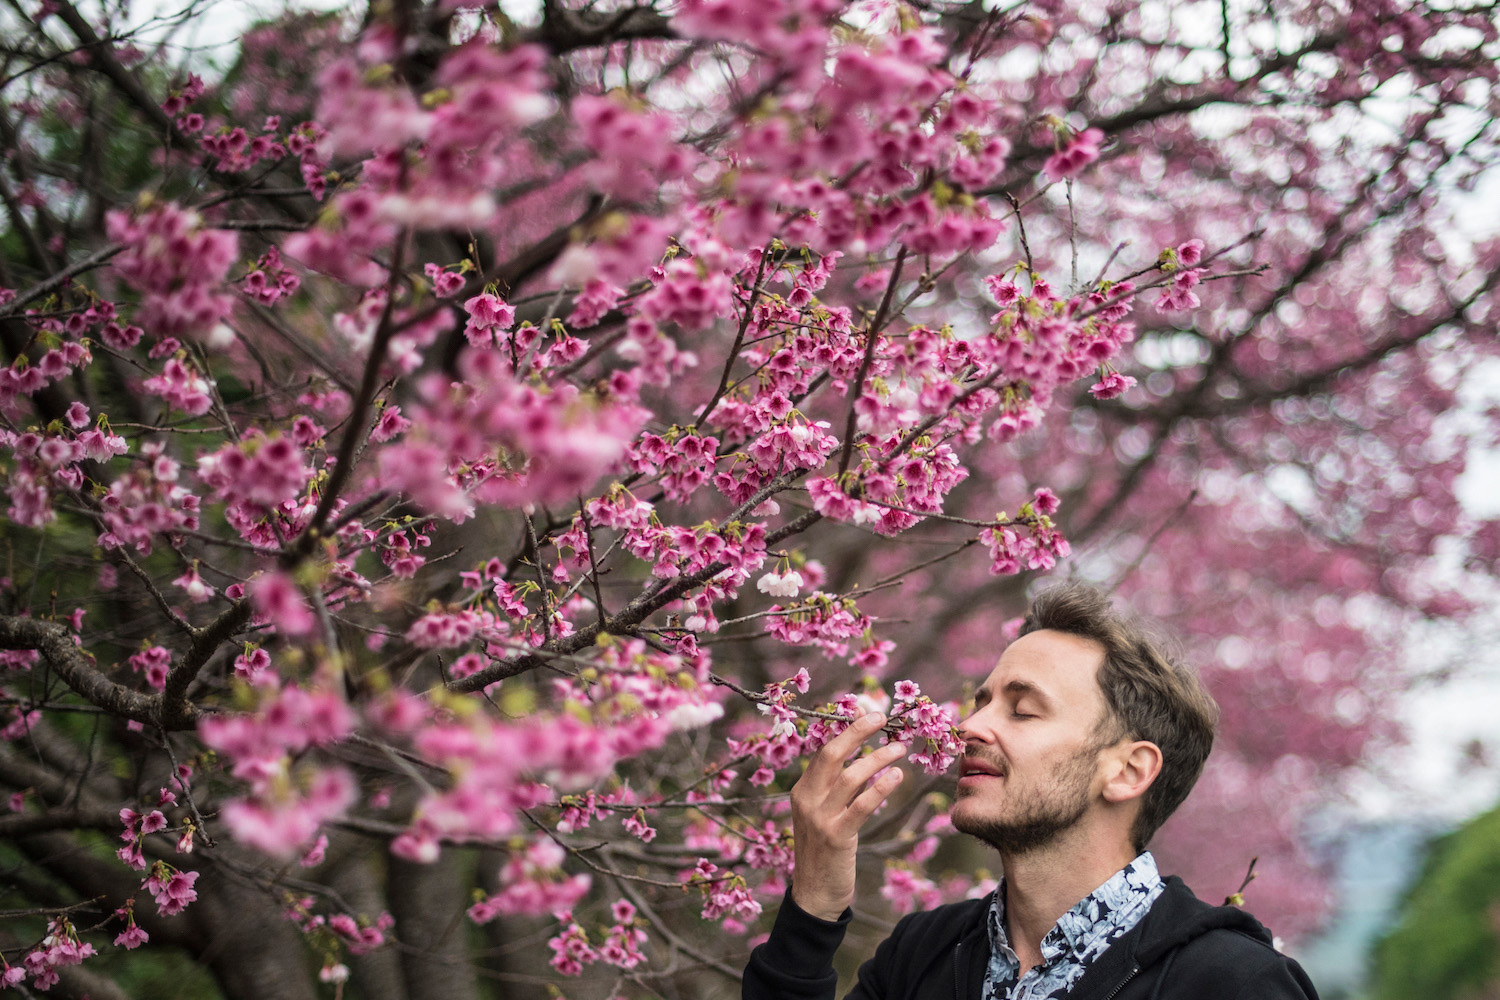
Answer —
1098 918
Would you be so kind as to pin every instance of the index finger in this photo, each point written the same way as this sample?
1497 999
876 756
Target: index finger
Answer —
831 758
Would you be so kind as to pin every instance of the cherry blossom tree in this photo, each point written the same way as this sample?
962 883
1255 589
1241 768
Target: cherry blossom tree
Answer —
459 460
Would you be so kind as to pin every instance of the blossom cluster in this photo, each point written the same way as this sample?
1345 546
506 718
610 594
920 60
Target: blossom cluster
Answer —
930 729
48 461
359 935
172 888
285 806
725 897
620 947
551 444
534 884
60 948
177 264
631 703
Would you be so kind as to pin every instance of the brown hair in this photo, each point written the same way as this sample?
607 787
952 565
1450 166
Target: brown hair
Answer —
1151 694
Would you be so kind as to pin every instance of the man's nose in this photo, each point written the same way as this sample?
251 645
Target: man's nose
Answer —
975 727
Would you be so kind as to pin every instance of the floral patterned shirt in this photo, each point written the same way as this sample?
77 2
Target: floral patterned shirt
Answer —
1076 940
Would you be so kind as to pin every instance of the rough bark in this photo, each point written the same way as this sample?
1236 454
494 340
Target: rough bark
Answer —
79 670
376 975
428 903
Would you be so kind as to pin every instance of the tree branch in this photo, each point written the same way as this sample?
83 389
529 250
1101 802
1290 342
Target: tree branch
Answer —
641 607
563 31
76 818
79 671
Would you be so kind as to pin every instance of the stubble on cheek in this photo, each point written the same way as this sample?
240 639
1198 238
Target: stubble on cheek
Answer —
1017 821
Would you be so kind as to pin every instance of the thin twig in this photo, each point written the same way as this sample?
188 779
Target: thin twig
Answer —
602 869
739 338
1171 519
970 543
354 431
1021 230
187 791
1112 255
541 579
93 260
872 337
1072 234
588 535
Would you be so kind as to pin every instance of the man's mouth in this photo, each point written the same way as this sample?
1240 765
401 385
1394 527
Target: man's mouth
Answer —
972 767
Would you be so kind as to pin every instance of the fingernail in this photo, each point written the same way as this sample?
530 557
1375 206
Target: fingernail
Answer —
876 718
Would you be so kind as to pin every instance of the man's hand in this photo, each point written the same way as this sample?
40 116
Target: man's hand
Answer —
829 804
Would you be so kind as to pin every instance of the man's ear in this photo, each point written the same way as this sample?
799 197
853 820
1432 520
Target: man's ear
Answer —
1133 767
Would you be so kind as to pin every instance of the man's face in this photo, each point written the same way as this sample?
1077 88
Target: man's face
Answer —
1033 740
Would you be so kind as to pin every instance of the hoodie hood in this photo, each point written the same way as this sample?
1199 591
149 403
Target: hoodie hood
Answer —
1179 917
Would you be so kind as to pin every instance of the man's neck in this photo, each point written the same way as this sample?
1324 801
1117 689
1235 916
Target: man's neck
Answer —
1040 886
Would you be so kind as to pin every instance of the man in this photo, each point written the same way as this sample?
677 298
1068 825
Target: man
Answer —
1083 740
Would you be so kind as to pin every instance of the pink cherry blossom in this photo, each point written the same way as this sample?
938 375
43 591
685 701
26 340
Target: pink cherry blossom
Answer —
1111 385
278 599
1076 153
1178 295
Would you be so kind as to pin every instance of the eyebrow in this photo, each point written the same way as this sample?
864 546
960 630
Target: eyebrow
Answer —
1019 688
1022 688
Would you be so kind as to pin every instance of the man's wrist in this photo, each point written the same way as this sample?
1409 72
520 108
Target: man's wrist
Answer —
796 959
820 908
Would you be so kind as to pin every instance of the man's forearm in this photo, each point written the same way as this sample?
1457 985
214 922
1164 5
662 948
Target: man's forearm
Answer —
796 961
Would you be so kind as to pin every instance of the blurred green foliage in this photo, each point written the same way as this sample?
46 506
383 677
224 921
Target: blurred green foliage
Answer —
1447 944
157 972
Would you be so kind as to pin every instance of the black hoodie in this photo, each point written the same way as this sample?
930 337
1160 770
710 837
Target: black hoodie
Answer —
1183 949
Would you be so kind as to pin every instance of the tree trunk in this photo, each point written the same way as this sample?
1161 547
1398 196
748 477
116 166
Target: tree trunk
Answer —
428 902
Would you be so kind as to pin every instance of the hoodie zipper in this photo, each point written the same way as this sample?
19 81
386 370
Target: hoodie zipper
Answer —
1128 977
958 966
958 954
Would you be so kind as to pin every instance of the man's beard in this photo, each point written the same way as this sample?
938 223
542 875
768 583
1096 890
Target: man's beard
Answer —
1037 820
